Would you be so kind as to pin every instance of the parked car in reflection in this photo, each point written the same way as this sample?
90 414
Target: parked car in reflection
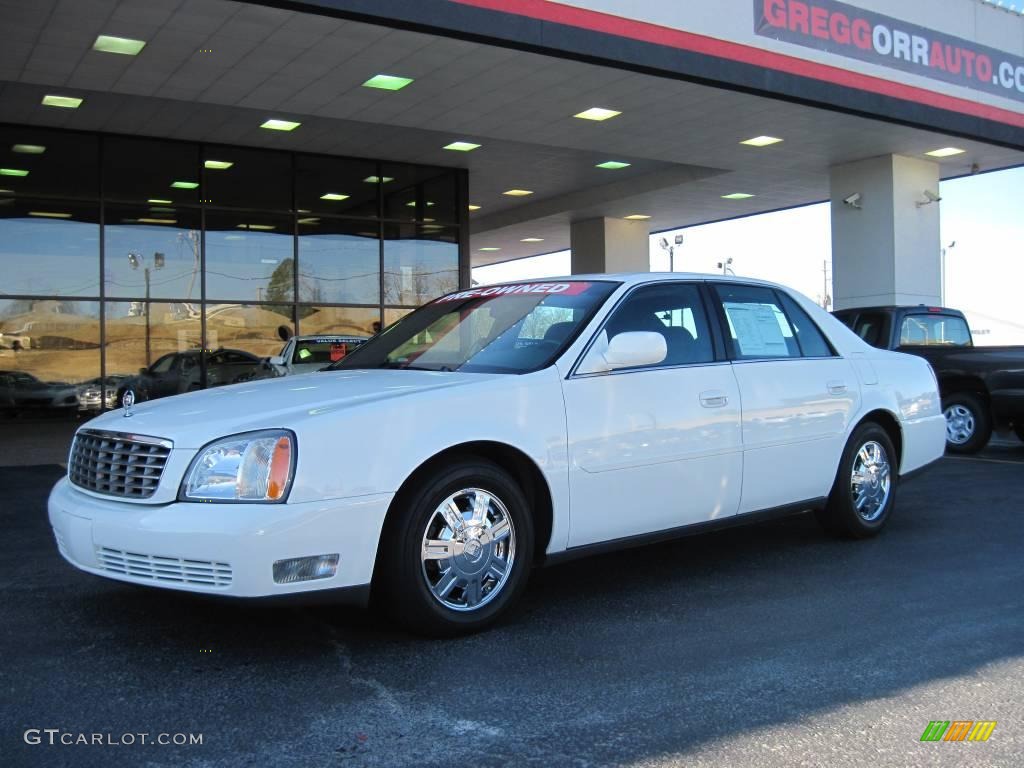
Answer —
93 397
305 354
179 372
20 391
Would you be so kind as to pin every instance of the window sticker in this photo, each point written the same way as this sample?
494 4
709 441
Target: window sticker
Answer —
338 352
496 291
757 330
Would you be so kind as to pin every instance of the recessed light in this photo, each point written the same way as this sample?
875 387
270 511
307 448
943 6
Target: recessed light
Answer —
612 165
333 196
157 201
67 102
412 203
737 196
263 227
517 192
597 113
474 207
158 221
185 184
637 217
50 214
761 141
532 240
462 146
123 45
13 172
490 249
378 179
280 125
945 152
310 220
217 165
387 82
28 149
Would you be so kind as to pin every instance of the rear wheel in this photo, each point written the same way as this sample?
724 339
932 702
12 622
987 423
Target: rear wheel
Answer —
968 426
459 555
864 492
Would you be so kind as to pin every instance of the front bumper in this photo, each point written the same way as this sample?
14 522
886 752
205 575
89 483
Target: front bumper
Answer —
224 549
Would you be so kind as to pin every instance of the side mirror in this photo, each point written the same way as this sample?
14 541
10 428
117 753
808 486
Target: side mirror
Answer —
625 350
276 360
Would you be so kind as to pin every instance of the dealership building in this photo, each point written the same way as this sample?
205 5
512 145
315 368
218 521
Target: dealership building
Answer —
183 175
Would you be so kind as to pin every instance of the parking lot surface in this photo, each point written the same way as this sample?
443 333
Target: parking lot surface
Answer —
759 646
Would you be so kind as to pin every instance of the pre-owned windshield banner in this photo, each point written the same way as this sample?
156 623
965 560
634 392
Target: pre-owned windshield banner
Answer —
850 31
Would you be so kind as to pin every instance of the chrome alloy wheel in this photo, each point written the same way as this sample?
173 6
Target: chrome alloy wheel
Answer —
959 424
871 481
469 546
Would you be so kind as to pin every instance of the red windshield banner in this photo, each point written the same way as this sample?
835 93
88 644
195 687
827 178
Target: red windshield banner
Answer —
849 31
496 291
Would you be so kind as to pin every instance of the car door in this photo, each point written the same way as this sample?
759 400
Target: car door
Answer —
798 396
162 377
657 447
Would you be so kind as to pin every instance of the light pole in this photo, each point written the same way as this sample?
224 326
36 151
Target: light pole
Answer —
671 249
942 269
135 259
726 267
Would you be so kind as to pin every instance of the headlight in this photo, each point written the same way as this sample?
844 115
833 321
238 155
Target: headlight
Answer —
254 467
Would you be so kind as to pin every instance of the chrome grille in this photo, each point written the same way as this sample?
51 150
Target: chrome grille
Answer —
203 573
117 464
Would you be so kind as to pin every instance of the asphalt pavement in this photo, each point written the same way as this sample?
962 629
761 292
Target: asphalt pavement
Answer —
770 645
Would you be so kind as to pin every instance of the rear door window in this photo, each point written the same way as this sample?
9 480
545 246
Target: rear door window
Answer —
757 326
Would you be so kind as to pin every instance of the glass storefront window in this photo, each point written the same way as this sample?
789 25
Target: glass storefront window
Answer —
333 185
161 173
247 178
240 337
347 321
249 257
339 261
49 163
419 193
393 314
49 348
138 333
421 262
49 247
152 252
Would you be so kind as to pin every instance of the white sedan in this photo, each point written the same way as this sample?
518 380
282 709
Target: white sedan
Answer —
500 428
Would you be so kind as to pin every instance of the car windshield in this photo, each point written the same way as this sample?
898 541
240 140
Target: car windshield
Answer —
323 351
497 329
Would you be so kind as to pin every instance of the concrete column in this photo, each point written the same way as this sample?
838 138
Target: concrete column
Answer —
885 247
610 245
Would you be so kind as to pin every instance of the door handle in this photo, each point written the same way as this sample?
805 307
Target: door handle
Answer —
714 399
837 387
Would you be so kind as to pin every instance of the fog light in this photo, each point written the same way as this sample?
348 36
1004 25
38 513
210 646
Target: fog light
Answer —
305 568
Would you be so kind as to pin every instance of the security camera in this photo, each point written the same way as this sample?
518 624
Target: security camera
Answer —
663 243
853 200
932 196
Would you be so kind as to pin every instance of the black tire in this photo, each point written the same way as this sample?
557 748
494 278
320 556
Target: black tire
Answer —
841 516
980 422
401 586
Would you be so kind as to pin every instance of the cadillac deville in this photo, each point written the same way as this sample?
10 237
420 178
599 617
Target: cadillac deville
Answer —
497 429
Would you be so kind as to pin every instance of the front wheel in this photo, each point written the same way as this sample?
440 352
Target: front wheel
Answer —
864 492
968 426
459 555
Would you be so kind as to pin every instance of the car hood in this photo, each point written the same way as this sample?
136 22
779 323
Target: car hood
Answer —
193 419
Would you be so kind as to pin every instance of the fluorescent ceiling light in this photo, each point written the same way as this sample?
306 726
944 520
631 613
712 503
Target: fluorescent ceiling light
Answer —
388 82
378 179
597 113
761 141
412 203
158 221
333 196
737 196
490 249
945 152
123 45
517 192
28 149
263 227
185 184
474 207
156 201
13 172
217 165
279 125
612 165
68 102
310 220
462 146
638 217
532 240
50 214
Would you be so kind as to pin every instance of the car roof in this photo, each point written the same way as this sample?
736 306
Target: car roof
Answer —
314 336
638 278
